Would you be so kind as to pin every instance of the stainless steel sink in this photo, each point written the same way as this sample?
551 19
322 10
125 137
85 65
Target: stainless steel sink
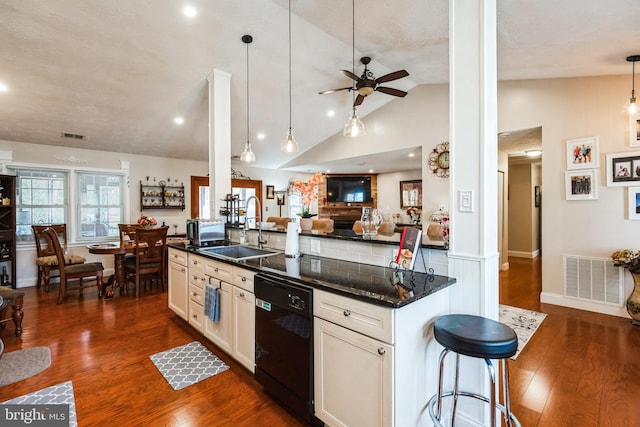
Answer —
239 252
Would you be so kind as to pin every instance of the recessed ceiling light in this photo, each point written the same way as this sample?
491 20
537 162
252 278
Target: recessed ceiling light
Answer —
260 135
178 120
370 170
411 154
4 87
328 170
189 11
533 153
331 113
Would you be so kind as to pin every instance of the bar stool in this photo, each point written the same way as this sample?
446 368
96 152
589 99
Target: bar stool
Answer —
474 336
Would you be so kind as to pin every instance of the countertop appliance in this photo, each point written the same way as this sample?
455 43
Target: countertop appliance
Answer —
284 343
202 232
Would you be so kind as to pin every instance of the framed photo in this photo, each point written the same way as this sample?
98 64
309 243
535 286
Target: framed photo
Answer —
411 194
623 169
537 195
582 153
271 194
581 184
634 203
634 130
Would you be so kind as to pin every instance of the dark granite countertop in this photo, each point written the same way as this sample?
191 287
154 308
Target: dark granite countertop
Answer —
348 234
365 282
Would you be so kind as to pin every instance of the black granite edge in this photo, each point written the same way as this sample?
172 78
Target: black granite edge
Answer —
354 238
428 284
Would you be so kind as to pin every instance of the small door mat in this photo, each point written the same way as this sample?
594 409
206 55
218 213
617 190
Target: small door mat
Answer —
59 394
21 364
524 322
188 364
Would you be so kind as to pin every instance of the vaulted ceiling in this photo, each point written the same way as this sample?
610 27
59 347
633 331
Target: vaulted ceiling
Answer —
118 71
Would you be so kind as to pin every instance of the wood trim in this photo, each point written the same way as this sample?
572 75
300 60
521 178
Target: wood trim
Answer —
196 183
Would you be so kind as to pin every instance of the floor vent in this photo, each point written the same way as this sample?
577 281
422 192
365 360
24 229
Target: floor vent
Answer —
593 279
72 135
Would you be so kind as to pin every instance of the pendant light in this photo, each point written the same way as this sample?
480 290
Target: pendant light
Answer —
247 155
632 101
354 127
289 144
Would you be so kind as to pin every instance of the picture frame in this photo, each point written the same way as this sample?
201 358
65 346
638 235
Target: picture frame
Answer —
536 193
623 169
582 153
411 194
581 184
634 130
271 193
633 207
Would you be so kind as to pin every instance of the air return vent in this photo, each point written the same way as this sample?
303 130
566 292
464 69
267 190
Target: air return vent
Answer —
593 279
72 135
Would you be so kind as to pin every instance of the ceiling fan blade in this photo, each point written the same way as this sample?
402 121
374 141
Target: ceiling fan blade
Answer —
335 90
392 76
358 100
391 91
350 75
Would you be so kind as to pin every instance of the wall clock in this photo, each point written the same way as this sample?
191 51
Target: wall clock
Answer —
439 160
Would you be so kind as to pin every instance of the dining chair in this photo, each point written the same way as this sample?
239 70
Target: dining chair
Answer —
72 271
151 257
46 260
128 234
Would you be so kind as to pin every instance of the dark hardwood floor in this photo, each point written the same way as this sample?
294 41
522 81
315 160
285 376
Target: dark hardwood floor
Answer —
577 370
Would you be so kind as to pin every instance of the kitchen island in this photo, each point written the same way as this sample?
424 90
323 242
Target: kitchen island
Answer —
374 359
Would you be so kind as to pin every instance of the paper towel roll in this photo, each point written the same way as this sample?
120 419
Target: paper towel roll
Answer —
293 266
291 247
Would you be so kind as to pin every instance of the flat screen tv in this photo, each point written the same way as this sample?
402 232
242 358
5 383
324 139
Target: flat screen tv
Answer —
348 189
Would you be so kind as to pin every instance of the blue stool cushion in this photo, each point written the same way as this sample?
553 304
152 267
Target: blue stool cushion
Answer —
475 336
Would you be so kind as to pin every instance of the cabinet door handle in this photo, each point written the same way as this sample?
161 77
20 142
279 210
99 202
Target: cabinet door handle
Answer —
244 279
182 270
347 313
193 294
381 351
241 294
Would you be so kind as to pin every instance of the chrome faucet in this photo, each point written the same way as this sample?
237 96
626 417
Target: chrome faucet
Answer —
261 241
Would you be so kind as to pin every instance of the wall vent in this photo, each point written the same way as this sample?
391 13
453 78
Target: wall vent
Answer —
72 135
593 279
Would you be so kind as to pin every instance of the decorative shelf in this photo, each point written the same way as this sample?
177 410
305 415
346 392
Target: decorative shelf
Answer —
160 196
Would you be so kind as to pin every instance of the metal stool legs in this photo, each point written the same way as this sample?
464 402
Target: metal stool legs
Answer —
435 403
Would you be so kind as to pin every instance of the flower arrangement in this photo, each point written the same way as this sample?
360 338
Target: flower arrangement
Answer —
147 221
309 192
442 217
414 214
627 258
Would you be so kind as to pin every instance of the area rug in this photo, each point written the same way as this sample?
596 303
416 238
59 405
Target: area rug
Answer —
524 322
59 394
186 365
21 364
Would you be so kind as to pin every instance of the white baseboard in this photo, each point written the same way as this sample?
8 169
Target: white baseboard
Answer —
522 254
561 300
26 282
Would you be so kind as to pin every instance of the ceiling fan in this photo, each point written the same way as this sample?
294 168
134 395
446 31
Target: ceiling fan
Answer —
366 84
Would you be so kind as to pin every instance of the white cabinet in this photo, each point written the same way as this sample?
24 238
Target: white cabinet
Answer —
196 292
244 314
178 283
221 332
382 361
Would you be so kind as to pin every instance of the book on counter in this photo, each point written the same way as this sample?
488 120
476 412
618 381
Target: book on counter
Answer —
409 247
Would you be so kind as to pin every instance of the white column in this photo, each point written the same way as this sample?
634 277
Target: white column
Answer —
219 139
473 257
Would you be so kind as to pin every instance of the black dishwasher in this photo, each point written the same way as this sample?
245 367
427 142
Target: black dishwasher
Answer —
284 343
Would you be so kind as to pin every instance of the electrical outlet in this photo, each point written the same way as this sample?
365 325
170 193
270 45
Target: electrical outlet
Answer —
315 246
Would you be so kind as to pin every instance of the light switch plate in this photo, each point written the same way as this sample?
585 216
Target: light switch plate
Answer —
466 201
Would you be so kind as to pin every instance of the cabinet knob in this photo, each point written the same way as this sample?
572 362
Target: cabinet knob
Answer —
381 351
215 269
242 294
244 279
194 294
347 313
182 270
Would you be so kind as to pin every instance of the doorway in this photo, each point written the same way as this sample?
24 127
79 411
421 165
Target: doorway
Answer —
245 188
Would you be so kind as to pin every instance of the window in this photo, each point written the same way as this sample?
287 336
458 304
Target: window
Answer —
44 196
41 198
100 204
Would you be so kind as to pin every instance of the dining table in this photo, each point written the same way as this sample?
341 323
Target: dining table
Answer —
117 280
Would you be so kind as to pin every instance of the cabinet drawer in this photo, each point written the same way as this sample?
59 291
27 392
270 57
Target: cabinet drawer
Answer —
196 263
196 315
196 294
178 256
367 319
243 278
219 270
197 279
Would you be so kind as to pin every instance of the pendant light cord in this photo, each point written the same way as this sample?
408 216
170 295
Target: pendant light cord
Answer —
247 93
289 66
353 47
633 79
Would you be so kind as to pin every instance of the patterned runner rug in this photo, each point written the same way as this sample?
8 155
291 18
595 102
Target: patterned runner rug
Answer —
524 322
59 394
186 365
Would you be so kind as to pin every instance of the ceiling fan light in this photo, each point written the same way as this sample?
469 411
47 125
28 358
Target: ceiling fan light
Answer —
248 156
365 91
289 144
354 126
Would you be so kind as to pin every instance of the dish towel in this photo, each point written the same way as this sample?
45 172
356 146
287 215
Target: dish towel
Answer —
212 302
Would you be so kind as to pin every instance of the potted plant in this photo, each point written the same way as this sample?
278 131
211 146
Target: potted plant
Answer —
309 192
